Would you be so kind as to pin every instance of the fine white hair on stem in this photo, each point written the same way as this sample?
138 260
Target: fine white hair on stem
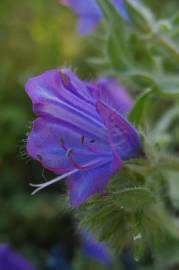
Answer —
53 181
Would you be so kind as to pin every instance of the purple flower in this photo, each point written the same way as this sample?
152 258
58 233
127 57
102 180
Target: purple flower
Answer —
81 131
94 249
89 13
10 260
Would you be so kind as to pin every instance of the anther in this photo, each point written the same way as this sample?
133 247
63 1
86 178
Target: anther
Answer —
82 139
69 152
39 157
62 141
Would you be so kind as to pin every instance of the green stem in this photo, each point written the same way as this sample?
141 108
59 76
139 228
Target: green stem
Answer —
168 45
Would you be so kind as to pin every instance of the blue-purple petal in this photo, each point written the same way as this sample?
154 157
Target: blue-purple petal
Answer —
10 260
59 147
87 24
87 11
90 14
123 136
95 250
62 96
111 93
120 6
84 184
81 7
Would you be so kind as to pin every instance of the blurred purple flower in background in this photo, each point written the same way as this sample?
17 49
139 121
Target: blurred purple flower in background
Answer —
10 260
89 13
95 250
81 131
57 259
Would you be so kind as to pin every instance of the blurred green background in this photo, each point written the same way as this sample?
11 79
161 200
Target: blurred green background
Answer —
36 35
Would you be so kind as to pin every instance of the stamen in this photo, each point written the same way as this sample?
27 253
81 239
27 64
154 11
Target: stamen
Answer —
62 141
65 175
69 152
39 157
82 139
55 180
87 145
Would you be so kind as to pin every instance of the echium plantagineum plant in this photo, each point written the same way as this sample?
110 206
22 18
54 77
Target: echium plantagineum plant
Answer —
115 153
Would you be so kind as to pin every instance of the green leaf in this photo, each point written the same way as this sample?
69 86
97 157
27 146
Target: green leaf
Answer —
168 46
174 33
169 85
116 52
133 198
116 47
173 183
145 22
143 77
175 19
169 223
163 84
141 16
109 11
135 115
166 120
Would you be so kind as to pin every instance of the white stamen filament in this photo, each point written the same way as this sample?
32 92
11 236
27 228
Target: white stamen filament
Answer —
61 177
53 181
